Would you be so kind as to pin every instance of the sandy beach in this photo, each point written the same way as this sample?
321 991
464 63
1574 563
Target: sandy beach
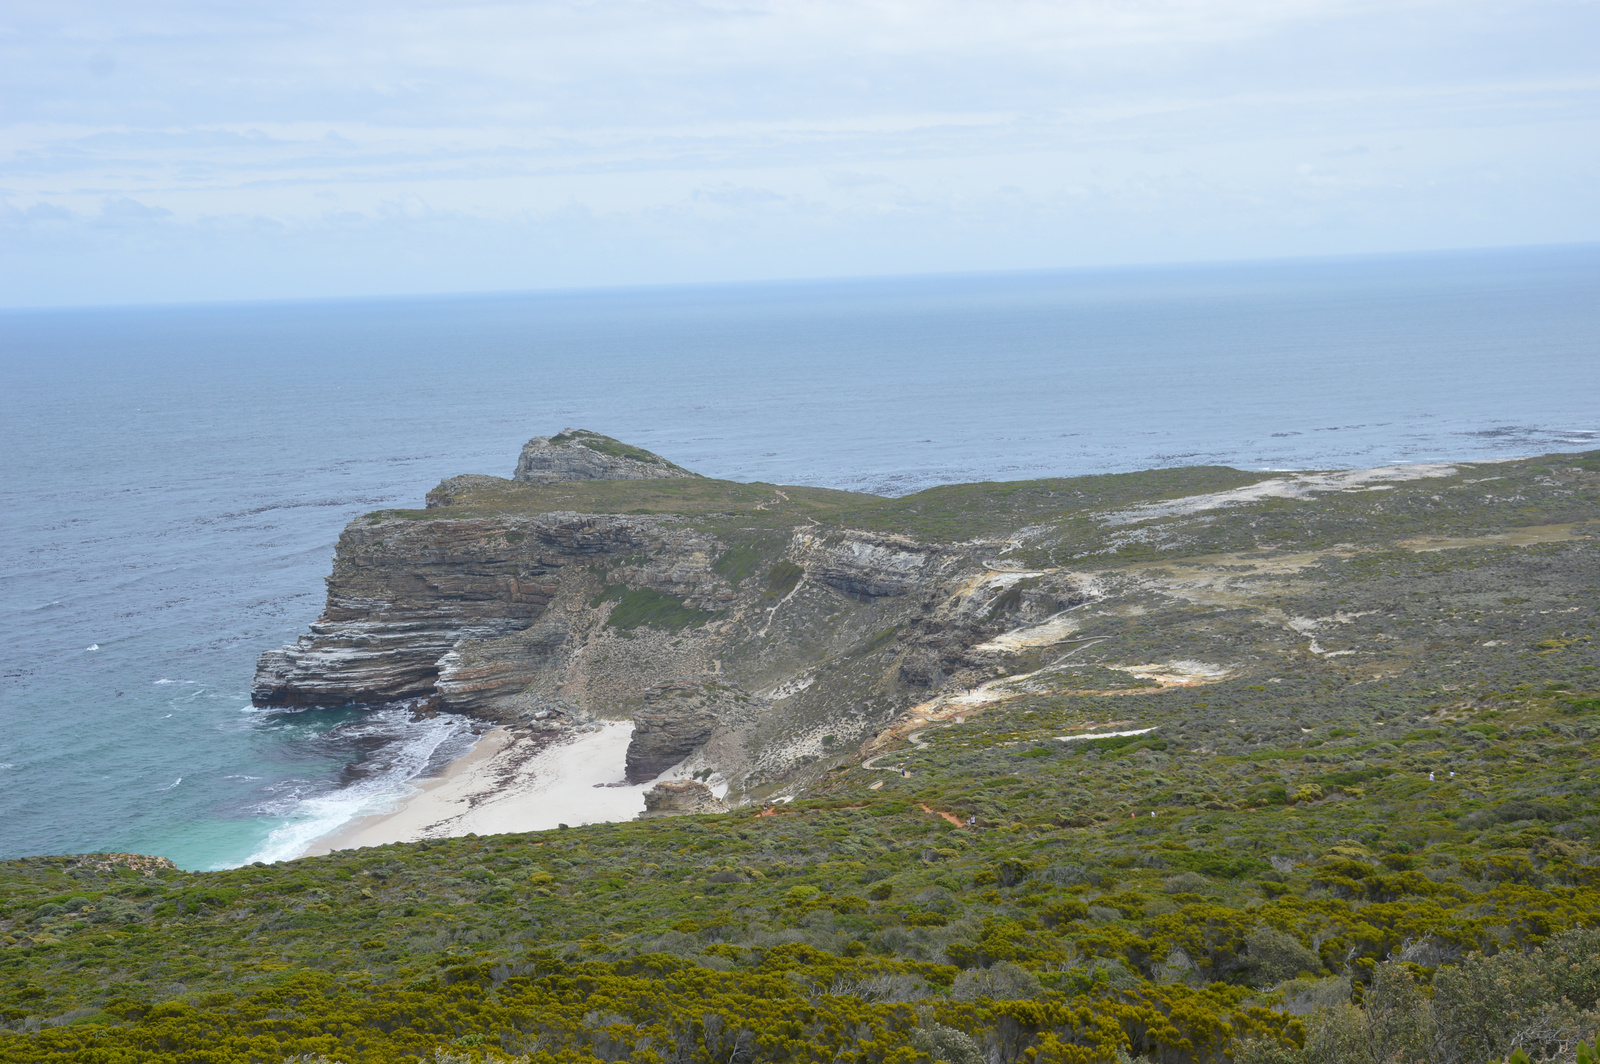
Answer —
510 781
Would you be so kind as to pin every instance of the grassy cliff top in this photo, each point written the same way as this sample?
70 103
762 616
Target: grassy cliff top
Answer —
1098 520
946 513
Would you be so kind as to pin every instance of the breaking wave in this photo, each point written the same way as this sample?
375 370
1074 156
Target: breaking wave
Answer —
389 750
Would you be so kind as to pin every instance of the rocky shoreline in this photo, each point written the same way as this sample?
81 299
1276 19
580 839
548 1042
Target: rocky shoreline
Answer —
723 647
756 636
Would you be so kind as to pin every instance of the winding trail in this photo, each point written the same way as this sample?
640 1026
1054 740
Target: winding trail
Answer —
937 711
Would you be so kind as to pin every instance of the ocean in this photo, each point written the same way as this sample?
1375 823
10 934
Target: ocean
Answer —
174 478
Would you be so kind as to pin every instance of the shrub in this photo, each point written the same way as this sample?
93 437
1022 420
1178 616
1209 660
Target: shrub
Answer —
1276 956
1004 981
1186 883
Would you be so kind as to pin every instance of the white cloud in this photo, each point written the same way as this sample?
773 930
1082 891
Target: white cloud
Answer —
715 139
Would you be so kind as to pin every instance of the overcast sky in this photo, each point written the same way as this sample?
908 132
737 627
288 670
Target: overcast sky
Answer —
172 151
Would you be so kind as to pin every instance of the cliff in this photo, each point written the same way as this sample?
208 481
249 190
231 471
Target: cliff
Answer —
758 634
1185 765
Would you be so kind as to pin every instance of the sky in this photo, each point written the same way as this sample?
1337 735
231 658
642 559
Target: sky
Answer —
176 151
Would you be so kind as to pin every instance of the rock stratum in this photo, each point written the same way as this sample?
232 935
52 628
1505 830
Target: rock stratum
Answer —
757 634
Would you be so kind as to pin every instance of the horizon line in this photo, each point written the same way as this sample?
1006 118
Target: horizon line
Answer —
774 282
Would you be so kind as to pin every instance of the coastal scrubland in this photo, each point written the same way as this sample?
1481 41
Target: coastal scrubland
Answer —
1313 778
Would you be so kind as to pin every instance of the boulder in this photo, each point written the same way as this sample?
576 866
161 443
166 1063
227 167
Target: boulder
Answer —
680 798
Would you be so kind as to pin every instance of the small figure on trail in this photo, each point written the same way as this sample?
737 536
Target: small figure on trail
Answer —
972 821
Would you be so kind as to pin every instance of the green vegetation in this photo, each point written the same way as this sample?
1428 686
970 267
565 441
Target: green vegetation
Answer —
950 512
1368 832
876 642
1538 492
637 606
782 578
615 448
1295 886
737 563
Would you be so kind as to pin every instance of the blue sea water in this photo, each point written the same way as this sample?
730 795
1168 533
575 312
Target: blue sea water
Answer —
174 478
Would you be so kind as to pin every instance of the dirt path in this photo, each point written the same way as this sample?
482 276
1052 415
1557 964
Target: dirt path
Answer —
957 821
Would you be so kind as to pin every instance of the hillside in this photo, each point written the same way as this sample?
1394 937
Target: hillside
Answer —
1193 765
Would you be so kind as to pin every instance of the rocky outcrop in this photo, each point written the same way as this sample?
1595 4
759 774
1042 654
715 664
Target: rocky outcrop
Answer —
680 798
489 604
476 674
451 490
676 720
865 565
954 640
404 594
577 454
114 862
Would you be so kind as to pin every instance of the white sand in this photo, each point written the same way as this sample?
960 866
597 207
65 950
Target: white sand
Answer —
506 783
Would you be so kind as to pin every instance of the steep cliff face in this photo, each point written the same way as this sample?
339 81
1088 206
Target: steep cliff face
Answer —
406 594
744 639
756 634
867 565
675 720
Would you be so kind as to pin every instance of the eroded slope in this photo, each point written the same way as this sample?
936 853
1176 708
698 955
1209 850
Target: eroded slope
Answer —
821 620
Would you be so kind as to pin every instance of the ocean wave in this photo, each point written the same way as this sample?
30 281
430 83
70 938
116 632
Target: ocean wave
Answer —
404 748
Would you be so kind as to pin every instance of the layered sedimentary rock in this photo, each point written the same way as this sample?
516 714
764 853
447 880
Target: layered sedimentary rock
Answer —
757 634
867 565
680 798
404 594
477 673
739 637
577 454
676 720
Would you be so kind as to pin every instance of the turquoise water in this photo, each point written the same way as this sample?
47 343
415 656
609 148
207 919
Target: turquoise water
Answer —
175 478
